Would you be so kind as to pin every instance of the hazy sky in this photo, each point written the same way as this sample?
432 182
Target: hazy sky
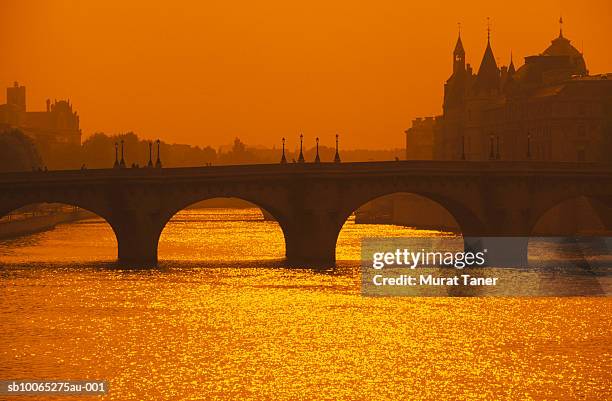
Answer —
203 72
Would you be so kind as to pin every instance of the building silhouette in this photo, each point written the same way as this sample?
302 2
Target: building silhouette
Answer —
57 125
548 109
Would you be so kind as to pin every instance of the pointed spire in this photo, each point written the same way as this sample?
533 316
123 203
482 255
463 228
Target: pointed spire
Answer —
459 45
301 158
561 26
283 158
337 156
458 55
488 72
511 69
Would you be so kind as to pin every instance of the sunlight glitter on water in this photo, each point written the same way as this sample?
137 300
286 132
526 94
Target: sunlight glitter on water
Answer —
221 318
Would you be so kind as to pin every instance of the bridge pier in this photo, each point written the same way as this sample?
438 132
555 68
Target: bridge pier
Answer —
312 240
137 239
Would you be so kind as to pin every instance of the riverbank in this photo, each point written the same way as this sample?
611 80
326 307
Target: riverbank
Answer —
19 227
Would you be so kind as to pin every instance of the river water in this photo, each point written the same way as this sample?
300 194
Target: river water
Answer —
221 318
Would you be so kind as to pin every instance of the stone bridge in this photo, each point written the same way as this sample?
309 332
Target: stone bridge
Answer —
312 201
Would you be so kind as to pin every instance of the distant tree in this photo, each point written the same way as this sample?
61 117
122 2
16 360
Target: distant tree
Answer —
17 152
240 154
99 152
239 146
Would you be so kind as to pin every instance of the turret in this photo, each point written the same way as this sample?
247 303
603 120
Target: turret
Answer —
458 56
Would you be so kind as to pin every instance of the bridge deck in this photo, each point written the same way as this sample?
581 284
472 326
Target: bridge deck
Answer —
404 168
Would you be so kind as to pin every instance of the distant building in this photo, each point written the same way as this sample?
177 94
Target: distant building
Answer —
549 109
58 125
420 138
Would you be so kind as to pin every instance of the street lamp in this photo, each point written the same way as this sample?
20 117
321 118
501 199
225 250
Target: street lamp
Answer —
158 163
337 156
116 165
301 158
283 158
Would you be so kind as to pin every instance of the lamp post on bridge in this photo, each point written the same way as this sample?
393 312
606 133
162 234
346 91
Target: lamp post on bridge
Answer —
116 165
317 158
158 163
283 158
150 164
301 158
337 156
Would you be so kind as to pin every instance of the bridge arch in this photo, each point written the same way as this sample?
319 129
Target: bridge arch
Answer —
47 214
269 213
315 238
468 222
396 209
572 213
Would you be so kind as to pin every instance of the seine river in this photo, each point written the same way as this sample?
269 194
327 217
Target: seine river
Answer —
221 318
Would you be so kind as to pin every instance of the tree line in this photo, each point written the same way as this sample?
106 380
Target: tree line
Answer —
18 152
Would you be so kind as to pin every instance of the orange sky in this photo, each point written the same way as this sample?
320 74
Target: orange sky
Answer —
203 72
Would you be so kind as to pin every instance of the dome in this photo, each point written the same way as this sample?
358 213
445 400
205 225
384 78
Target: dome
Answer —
561 46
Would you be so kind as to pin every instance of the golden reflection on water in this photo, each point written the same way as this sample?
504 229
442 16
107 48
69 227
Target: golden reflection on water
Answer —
246 328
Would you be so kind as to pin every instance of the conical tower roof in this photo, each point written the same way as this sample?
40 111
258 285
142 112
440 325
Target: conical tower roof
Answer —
488 73
511 69
459 46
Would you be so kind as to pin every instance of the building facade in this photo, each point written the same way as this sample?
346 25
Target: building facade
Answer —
57 125
419 138
548 109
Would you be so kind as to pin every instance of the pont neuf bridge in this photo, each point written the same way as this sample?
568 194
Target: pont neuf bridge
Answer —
311 201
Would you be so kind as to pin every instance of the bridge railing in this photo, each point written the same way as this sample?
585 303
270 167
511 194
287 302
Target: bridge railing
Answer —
404 166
